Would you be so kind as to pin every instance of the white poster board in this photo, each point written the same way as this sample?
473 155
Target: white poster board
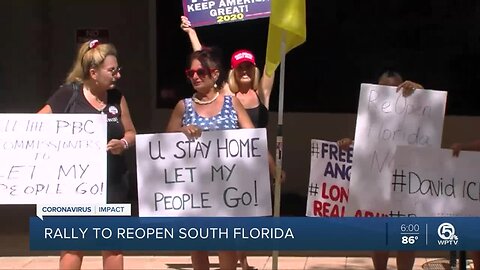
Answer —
53 158
223 173
431 182
386 119
329 179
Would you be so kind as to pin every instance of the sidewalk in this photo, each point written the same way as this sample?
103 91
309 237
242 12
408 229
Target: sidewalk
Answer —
184 263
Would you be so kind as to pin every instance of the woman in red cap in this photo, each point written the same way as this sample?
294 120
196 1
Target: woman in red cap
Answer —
253 92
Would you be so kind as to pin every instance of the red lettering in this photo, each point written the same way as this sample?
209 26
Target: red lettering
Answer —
338 211
334 193
359 213
317 206
326 209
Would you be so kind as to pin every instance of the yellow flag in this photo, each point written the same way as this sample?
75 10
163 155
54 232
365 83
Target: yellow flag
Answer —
287 19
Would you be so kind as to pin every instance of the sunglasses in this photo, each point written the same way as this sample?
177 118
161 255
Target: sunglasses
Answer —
114 71
201 72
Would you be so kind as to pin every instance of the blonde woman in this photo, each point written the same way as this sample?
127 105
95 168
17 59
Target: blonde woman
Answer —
90 88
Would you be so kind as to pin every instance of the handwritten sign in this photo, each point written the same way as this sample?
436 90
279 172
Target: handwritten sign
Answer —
223 173
52 158
387 119
329 179
208 12
431 182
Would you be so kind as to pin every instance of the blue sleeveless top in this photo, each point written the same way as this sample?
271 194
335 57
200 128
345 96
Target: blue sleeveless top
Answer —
226 119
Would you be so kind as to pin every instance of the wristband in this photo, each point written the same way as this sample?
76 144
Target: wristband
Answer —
125 143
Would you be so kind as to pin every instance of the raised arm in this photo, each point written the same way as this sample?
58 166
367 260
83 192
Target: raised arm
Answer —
192 34
266 85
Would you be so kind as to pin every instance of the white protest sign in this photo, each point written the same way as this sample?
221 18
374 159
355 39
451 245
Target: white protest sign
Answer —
387 119
329 179
431 182
53 158
223 173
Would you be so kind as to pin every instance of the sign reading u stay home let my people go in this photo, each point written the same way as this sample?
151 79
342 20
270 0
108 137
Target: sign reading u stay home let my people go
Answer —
53 158
209 12
222 173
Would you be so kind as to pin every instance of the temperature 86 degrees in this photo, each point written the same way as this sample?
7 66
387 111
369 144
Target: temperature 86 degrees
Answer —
409 239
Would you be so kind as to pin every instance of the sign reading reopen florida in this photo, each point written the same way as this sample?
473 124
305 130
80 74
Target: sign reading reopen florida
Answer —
208 12
53 158
385 120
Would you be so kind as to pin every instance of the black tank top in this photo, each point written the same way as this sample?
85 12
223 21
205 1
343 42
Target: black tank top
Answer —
259 115
116 164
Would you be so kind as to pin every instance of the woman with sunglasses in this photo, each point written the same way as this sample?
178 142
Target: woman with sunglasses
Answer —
90 88
244 82
207 110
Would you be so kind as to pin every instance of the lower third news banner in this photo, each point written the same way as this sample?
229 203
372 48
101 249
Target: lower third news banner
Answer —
253 233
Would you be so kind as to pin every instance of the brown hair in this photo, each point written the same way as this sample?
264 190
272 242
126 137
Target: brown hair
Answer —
210 58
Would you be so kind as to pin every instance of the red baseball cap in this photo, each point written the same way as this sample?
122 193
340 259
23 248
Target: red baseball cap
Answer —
241 56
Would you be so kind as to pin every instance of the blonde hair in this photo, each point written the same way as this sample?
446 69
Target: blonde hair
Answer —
233 84
89 56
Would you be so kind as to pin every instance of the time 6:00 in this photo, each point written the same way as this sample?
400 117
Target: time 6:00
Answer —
409 228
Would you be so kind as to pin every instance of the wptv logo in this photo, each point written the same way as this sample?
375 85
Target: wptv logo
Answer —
446 232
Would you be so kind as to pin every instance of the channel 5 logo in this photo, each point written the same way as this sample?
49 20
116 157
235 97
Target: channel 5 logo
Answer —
446 232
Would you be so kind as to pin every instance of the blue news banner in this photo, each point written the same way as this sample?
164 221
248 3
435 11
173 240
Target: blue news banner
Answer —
264 233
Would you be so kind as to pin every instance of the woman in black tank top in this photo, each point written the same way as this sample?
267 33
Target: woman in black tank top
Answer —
90 88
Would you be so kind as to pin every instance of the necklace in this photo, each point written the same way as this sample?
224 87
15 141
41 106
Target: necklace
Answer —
101 104
201 102
99 100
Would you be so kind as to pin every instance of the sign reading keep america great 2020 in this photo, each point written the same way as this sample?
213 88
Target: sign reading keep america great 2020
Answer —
208 12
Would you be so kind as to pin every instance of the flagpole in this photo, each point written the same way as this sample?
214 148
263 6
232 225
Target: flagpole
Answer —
279 144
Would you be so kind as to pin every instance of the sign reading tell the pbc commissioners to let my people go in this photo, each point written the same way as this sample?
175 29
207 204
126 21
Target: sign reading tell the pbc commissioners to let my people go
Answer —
53 158
208 12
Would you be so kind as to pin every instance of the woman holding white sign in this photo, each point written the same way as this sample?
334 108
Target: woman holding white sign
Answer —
90 88
245 83
405 259
208 110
